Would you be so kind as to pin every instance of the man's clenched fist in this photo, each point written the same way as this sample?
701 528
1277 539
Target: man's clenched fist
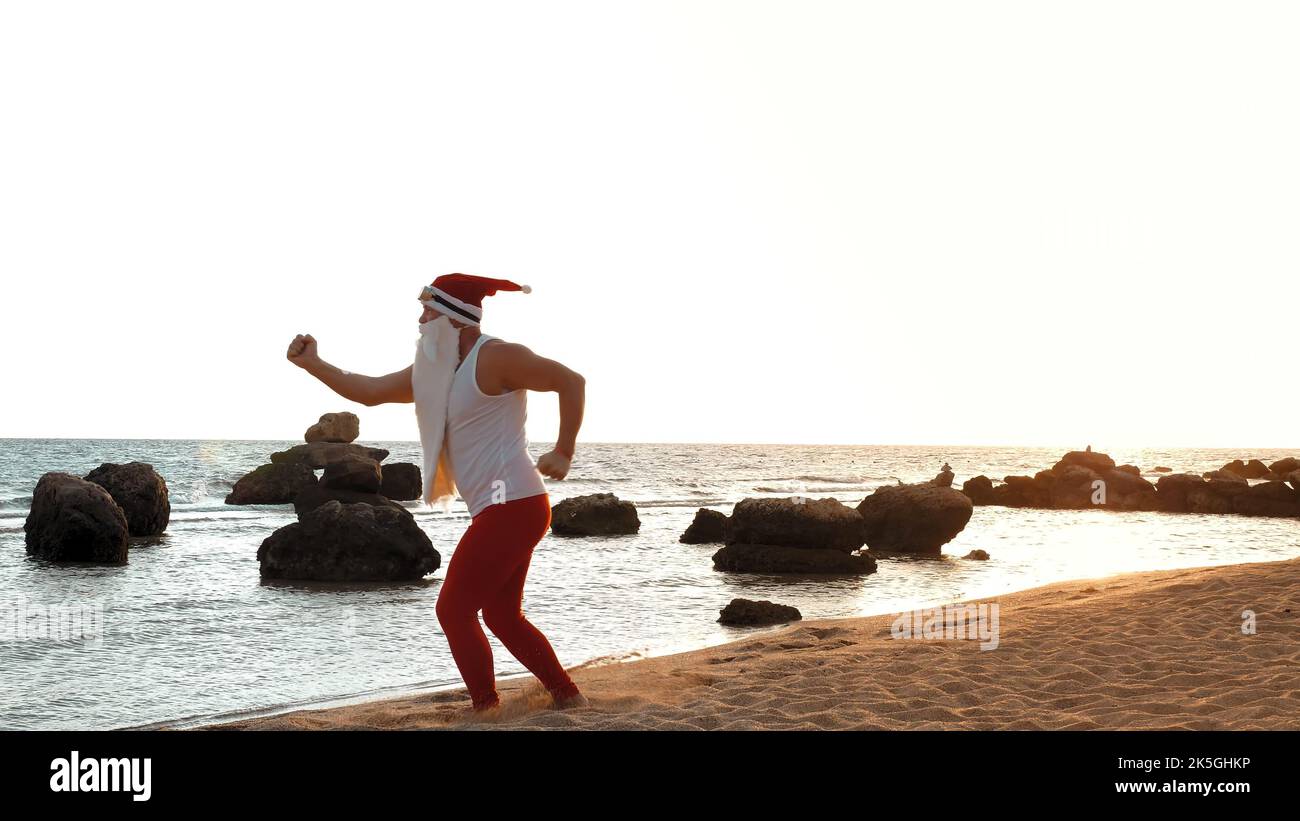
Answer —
302 350
553 465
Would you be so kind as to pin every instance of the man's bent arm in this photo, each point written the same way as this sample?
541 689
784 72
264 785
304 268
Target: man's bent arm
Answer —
521 368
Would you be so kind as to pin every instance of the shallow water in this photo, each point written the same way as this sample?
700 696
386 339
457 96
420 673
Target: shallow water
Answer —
189 629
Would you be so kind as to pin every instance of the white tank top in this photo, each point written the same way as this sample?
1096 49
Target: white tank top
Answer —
486 441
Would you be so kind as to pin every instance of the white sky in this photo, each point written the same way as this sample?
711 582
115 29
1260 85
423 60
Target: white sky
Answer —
805 222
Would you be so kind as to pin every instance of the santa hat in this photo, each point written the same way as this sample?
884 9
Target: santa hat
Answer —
460 296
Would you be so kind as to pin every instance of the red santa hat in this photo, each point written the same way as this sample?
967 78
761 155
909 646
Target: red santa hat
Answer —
460 296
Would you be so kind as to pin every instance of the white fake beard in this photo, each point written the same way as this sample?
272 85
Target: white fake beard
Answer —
437 353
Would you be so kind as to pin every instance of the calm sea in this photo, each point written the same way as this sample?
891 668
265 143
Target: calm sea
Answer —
190 631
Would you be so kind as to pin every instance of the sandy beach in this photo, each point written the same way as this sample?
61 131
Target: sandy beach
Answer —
1151 650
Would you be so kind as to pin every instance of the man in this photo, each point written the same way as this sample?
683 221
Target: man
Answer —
470 391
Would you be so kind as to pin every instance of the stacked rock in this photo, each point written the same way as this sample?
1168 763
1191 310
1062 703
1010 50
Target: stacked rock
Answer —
290 476
350 526
793 535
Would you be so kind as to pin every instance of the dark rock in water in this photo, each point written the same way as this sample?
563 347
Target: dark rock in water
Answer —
139 491
335 427
1099 462
1215 496
1127 490
977 555
795 521
1172 491
1133 469
1267 499
1161 469
1254 469
749 612
401 482
1024 491
73 520
706 528
310 498
913 518
274 484
1225 475
1294 478
1284 467
357 473
765 558
1072 486
979 490
319 454
349 543
597 514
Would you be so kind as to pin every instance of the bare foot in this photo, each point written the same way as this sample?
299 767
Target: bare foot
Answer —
578 700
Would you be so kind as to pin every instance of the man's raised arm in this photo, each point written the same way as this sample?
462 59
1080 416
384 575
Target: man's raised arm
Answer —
366 390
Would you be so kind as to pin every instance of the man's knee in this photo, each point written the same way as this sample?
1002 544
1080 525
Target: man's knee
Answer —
453 609
502 617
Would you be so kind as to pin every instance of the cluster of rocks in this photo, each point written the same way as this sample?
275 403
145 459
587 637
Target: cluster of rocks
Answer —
91 519
798 535
1085 479
793 535
1283 470
352 472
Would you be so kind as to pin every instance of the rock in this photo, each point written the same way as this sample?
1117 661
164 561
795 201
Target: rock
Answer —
1133 469
795 521
1254 469
945 477
1283 467
979 490
1225 475
1294 478
977 555
1172 490
1073 486
274 484
335 427
357 473
139 491
73 520
913 518
764 558
349 543
319 454
1267 499
598 514
707 527
1216 495
401 481
1098 462
310 498
749 612
1025 491
1161 469
1127 490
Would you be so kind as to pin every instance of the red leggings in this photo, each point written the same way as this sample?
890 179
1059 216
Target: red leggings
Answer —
486 572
